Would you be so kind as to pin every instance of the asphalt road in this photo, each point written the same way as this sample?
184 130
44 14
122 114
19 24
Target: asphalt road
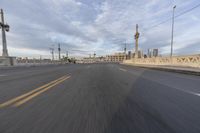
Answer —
98 98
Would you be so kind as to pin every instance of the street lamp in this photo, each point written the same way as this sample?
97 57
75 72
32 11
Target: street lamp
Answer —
5 28
125 51
2 25
137 34
172 38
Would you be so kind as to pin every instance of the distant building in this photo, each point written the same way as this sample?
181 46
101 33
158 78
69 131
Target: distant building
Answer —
149 53
117 57
155 52
152 53
129 55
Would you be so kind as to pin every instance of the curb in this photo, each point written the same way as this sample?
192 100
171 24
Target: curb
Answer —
189 72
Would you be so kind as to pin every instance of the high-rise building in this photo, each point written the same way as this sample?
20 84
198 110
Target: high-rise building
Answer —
155 52
149 53
129 54
152 53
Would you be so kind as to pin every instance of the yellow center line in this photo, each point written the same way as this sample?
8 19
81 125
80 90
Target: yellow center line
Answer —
38 93
9 102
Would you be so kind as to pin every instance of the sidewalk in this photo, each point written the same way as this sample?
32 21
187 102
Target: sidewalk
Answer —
177 69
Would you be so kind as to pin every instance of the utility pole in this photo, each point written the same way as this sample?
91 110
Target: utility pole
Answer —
172 38
59 49
4 27
137 34
52 53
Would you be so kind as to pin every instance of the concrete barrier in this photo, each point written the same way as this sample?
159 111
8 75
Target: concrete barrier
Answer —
8 61
180 61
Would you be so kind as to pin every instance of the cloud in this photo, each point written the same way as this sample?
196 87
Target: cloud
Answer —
99 25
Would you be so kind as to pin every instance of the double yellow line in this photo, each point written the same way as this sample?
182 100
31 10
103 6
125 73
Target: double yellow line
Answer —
30 95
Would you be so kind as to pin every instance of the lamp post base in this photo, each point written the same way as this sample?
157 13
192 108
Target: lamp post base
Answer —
8 61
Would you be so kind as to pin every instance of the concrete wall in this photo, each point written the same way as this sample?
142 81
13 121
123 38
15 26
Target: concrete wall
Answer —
185 61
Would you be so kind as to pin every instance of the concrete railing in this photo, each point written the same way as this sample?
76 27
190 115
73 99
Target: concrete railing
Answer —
36 62
184 61
8 61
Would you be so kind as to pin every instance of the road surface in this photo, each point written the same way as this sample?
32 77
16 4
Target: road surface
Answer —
98 98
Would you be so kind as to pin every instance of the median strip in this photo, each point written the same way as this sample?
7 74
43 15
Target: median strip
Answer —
33 92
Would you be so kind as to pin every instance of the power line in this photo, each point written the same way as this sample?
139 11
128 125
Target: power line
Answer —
188 10
165 21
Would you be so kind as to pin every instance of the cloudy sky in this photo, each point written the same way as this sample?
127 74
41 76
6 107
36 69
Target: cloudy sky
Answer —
84 26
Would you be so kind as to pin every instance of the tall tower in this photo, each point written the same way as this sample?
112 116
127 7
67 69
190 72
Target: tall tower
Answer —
4 27
137 34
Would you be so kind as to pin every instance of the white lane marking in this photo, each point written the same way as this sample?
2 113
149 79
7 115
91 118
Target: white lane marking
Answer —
185 91
122 69
2 75
182 90
190 92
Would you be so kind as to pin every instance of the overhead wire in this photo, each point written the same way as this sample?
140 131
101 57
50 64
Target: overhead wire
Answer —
176 16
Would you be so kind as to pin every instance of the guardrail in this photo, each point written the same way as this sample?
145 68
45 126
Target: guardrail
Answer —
184 61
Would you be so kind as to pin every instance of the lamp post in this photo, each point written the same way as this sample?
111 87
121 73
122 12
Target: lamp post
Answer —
125 51
4 27
59 49
172 38
137 34
52 53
